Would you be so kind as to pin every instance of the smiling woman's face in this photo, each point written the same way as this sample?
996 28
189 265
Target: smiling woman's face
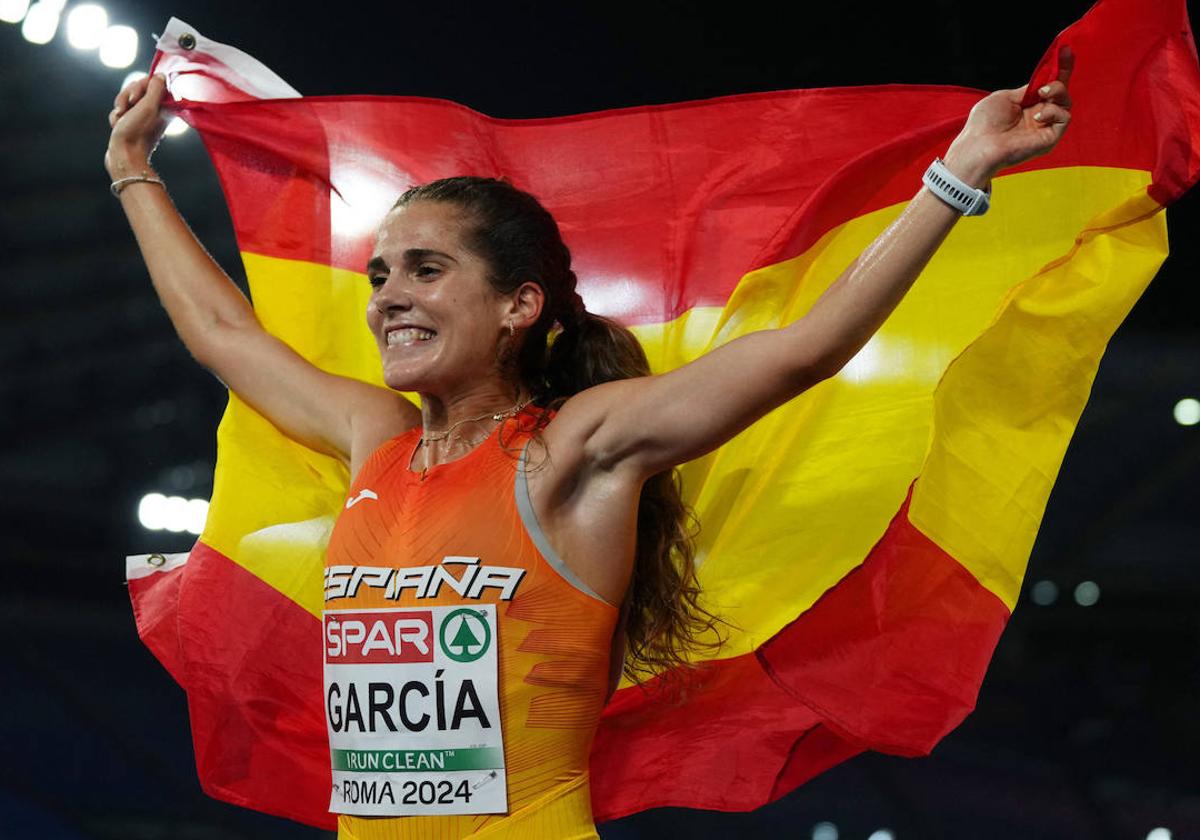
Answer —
436 318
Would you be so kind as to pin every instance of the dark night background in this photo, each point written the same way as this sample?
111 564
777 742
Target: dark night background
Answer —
1086 725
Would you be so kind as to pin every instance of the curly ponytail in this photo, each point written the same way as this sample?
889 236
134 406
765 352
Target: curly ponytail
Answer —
521 242
591 349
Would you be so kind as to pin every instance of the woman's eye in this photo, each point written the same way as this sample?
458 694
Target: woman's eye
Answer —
428 270
377 280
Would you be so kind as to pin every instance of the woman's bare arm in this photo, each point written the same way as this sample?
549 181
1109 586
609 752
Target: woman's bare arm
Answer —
215 321
642 426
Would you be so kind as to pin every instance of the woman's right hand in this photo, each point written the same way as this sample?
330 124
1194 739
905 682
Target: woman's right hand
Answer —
137 126
337 415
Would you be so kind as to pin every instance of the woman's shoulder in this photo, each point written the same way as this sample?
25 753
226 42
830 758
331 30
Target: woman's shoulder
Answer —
578 417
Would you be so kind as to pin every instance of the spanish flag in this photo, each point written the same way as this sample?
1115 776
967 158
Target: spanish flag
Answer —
866 541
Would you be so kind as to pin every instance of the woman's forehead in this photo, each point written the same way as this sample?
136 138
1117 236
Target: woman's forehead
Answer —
423 225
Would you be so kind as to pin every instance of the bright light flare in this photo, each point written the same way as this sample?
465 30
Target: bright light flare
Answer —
882 834
41 22
176 514
151 511
175 127
1087 593
157 512
1159 834
825 831
86 25
197 515
1187 412
119 47
1044 593
365 193
13 11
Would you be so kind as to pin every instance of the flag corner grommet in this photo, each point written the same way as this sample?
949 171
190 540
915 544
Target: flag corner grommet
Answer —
187 41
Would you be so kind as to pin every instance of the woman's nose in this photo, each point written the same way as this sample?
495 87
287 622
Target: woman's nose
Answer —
390 297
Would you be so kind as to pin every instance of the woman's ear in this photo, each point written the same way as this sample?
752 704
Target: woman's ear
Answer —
527 303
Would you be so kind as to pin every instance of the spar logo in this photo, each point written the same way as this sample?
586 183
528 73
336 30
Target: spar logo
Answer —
465 635
354 638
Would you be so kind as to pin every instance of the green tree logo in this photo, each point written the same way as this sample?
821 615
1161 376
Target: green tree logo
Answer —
472 635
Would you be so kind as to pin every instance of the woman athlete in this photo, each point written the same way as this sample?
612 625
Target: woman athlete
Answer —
505 544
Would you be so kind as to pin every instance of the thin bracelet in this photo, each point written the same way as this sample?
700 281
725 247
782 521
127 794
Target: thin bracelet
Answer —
121 183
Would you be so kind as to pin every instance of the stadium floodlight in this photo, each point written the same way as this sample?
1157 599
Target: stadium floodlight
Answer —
151 511
1087 593
41 22
1044 593
176 515
157 512
197 516
13 11
825 831
86 25
1187 412
119 47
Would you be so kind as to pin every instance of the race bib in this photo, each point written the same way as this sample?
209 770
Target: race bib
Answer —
413 710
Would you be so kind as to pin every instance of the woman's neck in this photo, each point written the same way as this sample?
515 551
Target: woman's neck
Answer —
439 414
454 426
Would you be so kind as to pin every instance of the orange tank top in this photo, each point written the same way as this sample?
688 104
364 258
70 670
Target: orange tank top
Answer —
465 665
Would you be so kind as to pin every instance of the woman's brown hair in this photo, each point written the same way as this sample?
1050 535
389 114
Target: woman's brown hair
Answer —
521 243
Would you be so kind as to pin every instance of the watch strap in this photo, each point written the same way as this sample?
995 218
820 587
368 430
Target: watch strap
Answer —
954 191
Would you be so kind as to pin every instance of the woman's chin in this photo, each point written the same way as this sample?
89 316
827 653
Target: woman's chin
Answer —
408 368
399 379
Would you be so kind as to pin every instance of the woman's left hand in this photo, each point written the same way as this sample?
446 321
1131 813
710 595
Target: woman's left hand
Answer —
1000 133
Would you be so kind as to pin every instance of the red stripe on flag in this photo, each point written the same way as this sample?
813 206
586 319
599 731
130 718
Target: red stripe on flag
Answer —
890 659
725 748
689 197
155 600
854 672
893 656
250 661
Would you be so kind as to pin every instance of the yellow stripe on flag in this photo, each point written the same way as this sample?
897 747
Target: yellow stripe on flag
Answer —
1007 407
798 500
274 500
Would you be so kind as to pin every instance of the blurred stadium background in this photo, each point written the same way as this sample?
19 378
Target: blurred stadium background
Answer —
1086 726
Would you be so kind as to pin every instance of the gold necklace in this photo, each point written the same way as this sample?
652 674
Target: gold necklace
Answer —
431 437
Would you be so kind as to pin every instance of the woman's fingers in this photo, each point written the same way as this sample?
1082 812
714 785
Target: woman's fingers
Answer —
1066 64
1055 92
130 95
152 90
1050 114
158 82
136 120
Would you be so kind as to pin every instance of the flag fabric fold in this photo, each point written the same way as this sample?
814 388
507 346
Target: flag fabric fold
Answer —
866 541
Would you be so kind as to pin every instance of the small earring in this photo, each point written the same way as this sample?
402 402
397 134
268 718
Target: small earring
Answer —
511 329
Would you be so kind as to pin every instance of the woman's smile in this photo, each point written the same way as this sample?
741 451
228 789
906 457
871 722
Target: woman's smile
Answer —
402 336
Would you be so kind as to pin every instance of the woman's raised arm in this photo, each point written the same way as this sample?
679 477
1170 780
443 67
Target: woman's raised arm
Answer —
331 413
642 426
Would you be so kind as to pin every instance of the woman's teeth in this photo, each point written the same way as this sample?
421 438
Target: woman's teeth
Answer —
408 335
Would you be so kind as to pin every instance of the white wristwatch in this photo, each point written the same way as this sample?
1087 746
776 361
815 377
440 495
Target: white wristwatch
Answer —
958 194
